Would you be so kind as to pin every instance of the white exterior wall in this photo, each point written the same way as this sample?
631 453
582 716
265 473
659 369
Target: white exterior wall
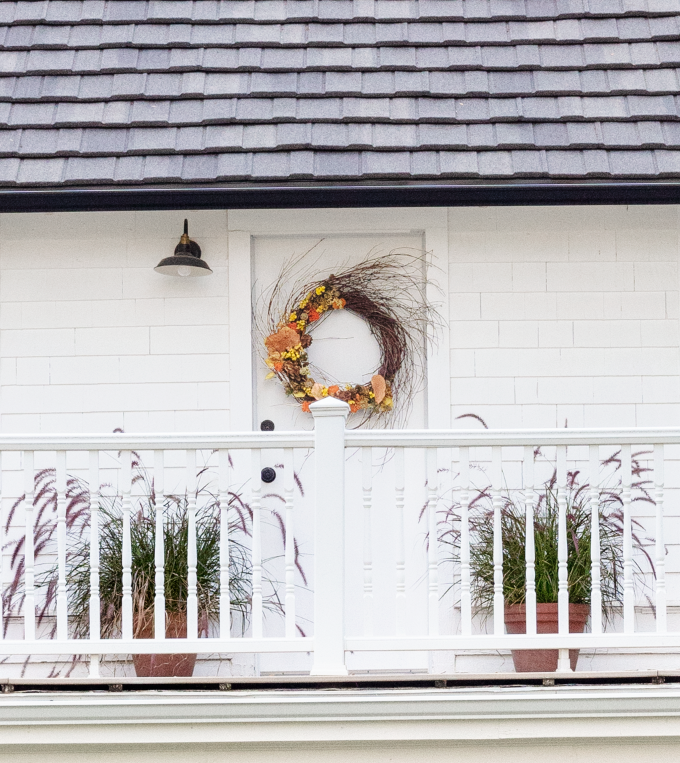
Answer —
556 315
564 316
92 339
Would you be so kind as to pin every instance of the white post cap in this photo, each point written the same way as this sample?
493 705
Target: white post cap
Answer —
329 406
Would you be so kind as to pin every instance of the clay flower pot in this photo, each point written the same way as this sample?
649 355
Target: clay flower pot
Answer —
543 660
164 665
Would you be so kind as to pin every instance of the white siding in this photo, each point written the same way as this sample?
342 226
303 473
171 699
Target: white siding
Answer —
564 316
556 315
92 339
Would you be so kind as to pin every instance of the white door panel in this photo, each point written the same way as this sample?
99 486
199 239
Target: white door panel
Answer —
344 349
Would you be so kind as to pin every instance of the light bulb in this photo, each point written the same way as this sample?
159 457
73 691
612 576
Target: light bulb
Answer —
184 270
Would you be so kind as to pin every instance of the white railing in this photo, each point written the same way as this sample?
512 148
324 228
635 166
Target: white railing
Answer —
381 499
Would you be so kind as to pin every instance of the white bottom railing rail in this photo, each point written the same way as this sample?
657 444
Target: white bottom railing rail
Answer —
456 496
205 646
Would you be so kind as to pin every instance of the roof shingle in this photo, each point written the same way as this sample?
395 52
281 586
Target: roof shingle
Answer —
139 91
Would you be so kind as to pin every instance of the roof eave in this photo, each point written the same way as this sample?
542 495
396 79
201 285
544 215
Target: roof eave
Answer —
311 195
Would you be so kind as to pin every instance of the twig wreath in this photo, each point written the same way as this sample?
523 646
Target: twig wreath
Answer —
385 290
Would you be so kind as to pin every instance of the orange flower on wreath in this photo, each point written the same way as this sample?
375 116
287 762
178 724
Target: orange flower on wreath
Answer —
305 406
333 389
313 315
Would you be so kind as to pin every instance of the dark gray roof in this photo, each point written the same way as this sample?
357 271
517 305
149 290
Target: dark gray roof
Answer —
142 92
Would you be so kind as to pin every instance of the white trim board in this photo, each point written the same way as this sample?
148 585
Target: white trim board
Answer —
244 225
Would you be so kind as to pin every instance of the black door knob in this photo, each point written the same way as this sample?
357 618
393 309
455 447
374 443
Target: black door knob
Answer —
267 425
268 474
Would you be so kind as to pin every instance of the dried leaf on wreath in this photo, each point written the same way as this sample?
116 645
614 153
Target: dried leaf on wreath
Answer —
284 339
317 391
305 341
379 388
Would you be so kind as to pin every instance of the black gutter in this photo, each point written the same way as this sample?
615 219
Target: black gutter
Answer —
313 195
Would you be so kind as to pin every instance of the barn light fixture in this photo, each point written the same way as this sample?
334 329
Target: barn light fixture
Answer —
186 261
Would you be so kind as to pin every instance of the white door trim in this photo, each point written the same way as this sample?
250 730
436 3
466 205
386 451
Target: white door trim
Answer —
244 225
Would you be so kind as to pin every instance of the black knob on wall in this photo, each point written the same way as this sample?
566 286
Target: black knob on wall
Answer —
267 425
268 474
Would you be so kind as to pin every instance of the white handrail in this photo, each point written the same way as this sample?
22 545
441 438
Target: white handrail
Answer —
156 441
456 438
376 438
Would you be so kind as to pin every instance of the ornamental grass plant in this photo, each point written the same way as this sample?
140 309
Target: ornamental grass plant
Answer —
143 536
546 519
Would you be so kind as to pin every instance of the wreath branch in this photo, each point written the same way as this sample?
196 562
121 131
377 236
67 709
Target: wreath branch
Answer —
388 291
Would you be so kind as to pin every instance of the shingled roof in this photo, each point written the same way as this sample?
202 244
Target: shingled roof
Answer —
129 92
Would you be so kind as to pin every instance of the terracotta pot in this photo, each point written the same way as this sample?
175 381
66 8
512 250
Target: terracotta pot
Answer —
543 660
162 665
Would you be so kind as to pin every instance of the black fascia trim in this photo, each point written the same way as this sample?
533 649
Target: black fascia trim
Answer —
313 195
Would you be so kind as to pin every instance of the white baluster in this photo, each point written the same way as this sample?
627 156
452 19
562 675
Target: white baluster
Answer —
289 552
660 556
628 593
497 503
530 545
367 487
563 663
255 502
595 572
465 595
95 603
2 545
159 546
192 598
433 545
401 543
29 572
62 598
225 598
126 490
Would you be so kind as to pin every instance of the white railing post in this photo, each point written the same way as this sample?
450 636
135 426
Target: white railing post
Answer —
465 593
159 545
329 537
530 543
595 558
626 497
563 663
497 502
126 508
95 600
660 557
289 549
62 595
401 541
29 547
367 491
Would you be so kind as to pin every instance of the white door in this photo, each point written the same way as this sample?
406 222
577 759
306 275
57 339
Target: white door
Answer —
342 343
344 348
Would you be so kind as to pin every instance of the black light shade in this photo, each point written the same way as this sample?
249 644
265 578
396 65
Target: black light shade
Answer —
186 261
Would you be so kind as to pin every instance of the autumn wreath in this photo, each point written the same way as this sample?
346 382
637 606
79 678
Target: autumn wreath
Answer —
387 291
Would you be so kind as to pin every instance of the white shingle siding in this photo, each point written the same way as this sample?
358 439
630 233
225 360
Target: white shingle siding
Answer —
565 315
92 339
555 314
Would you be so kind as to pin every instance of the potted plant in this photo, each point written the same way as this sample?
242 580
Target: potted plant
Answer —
142 536
579 537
